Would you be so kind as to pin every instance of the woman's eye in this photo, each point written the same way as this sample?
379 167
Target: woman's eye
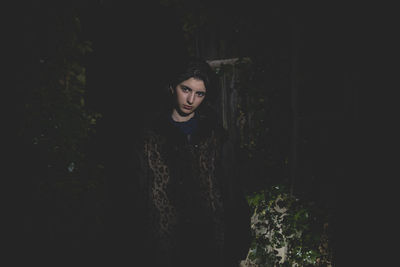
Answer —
201 94
185 89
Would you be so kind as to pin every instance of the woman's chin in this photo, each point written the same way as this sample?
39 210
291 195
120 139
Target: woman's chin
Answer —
186 111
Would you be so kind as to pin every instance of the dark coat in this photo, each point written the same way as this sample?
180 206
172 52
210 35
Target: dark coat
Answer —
193 213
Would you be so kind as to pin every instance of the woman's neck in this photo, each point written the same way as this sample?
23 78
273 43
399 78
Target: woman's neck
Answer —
179 118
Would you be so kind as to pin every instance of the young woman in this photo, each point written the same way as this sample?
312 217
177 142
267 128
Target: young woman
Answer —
194 215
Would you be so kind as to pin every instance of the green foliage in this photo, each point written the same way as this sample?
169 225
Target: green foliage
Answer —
56 120
57 127
280 220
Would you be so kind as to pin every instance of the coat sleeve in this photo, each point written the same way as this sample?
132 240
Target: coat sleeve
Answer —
141 181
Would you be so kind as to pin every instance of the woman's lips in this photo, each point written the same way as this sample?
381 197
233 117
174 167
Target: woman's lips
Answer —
187 107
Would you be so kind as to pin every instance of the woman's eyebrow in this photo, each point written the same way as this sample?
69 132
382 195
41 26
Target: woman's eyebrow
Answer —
186 87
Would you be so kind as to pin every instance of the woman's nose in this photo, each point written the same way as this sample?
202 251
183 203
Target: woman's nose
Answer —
190 98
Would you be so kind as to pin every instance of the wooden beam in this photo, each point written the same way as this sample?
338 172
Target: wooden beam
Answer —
229 61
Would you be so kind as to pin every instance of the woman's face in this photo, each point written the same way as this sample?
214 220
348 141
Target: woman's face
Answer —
189 95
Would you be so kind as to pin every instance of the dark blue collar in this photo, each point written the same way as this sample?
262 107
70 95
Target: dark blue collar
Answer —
187 127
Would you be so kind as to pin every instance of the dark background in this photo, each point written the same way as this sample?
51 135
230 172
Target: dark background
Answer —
134 47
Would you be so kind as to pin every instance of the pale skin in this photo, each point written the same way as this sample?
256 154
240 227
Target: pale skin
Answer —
189 94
